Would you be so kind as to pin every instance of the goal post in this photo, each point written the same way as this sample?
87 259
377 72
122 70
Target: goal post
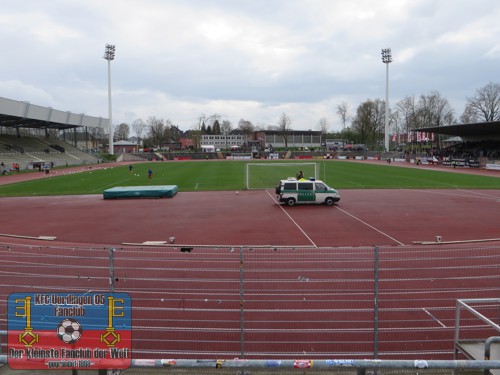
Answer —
266 175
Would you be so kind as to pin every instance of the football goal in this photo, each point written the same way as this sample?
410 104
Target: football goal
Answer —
266 175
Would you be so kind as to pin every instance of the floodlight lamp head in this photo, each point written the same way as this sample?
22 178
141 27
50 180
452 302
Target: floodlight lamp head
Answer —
109 52
386 55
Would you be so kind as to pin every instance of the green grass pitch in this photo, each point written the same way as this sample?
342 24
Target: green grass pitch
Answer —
230 175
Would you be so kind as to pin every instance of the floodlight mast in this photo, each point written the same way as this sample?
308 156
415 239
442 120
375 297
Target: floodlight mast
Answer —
109 54
386 59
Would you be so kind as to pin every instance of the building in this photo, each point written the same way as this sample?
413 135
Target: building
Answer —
223 141
264 139
295 138
123 147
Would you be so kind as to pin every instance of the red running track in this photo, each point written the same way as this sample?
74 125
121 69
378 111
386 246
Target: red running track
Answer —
310 291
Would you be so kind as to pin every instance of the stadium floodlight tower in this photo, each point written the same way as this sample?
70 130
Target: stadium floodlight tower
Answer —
386 59
109 54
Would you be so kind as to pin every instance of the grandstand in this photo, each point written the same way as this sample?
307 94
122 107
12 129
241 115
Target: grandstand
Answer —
477 140
32 135
29 152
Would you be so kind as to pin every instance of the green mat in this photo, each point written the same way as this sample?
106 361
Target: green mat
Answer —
158 191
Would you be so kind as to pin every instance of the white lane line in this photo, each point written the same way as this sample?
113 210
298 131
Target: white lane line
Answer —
370 226
434 318
482 194
458 193
293 221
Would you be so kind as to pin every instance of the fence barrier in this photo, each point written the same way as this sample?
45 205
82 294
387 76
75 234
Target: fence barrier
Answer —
262 303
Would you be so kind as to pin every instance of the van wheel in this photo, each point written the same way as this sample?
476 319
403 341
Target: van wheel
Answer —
290 202
329 201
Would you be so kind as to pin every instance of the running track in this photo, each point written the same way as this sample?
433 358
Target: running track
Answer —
314 276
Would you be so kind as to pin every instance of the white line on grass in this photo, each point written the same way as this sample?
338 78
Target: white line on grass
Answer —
370 226
107 186
293 221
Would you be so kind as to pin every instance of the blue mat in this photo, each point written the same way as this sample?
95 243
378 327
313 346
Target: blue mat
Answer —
158 191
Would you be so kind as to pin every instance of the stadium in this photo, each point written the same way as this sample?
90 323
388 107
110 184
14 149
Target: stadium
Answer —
400 276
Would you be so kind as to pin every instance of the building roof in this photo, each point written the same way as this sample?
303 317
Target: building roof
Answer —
14 113
125 143
292 132
468 132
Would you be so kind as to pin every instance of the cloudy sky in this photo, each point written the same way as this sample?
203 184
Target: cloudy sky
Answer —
250 59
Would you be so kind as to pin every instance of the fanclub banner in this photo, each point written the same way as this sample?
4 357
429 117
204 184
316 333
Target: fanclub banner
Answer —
74 331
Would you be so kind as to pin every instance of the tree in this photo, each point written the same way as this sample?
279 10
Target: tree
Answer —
216 128
342 111
261 126
97 136
284 127
246 126
407 113
210 122
139 127
121 132
348 134
430 110
168 134
469 116
226 127
397 126
485 105
368 125
196 134
433 110
323 127
156 131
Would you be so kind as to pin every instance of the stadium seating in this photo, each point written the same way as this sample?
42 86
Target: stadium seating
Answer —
28 150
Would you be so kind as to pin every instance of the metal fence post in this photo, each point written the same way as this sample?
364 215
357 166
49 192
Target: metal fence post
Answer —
242 309
375 302
112 270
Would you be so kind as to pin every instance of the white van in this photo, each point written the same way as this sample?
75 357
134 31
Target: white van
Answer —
293 191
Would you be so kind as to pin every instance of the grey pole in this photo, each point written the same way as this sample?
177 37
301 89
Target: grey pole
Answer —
386 59
375 304
109 55
112 270
242 308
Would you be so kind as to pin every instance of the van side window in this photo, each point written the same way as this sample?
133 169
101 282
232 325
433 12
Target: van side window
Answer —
290 186
320 186
305 186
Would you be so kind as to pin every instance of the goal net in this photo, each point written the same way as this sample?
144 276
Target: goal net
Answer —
267 174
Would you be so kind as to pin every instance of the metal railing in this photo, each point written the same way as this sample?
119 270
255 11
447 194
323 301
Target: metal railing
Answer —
262 303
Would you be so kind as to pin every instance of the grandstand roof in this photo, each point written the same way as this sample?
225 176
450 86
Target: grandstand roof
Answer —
14 113
469 132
